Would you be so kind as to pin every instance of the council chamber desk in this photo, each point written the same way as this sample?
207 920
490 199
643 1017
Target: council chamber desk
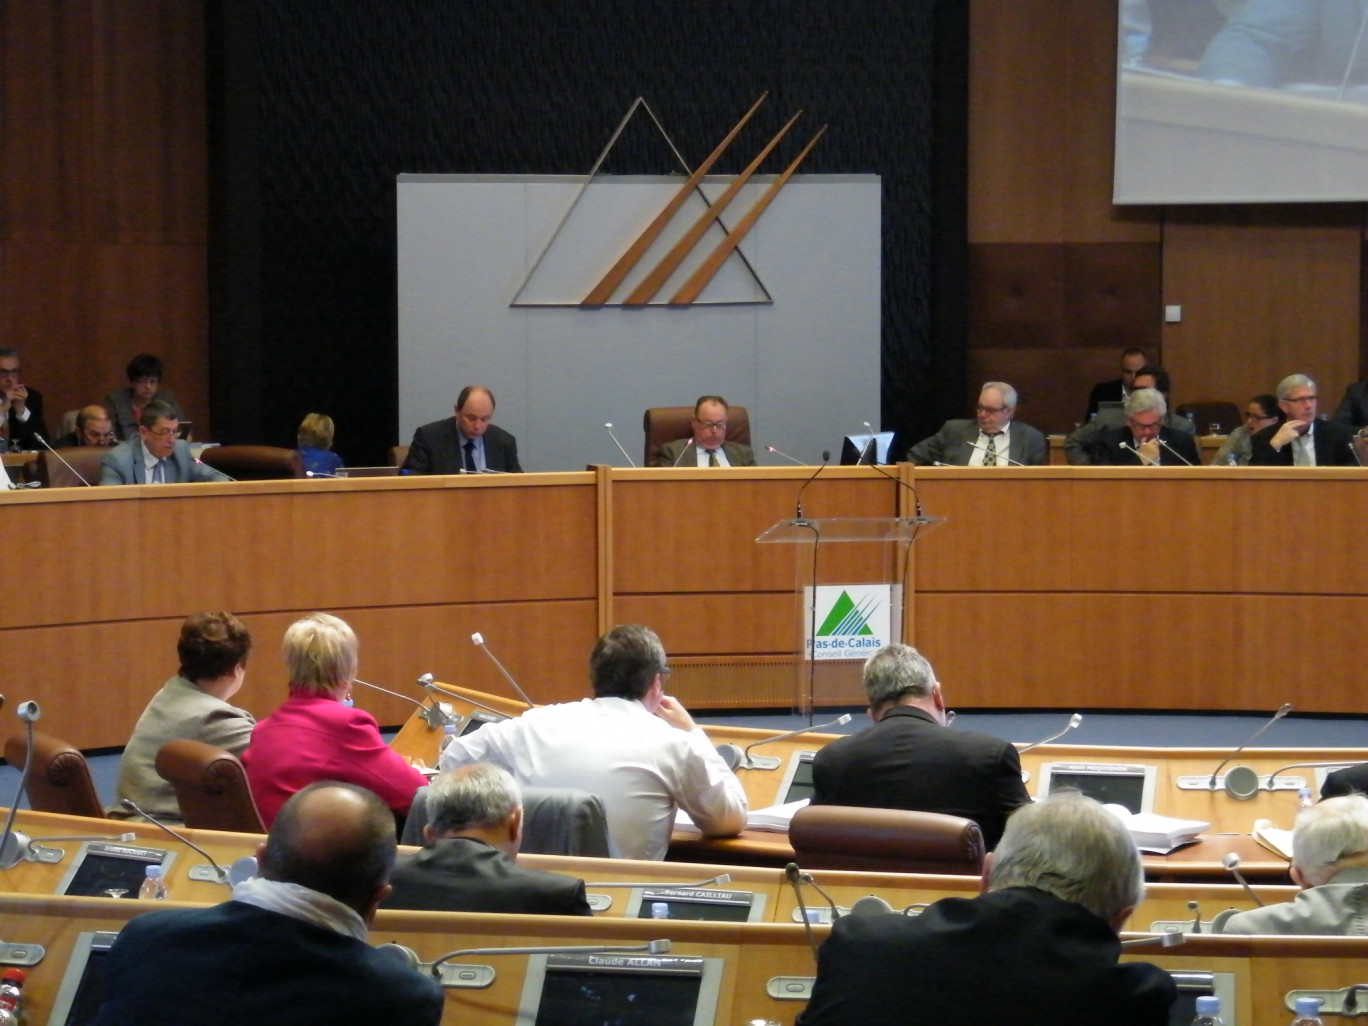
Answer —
1134 587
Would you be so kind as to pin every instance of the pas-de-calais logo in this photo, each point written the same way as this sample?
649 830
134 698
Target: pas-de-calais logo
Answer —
666 264
853 620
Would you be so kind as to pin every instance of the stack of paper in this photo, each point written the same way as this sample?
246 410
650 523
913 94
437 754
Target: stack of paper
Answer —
1273 838
774 818
1156 834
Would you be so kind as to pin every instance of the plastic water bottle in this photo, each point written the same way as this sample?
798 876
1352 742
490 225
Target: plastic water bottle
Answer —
1305 799
1308 1012
448 736
1208 1011
660 910
12 998
153 885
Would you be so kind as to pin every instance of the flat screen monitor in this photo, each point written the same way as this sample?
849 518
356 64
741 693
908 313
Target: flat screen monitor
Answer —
797 782
1131 786
81 991
698 903
104 869
856 449
620 990
478 719
1193 984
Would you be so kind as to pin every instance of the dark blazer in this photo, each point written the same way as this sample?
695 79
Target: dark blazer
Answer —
23 432
738 455
1353 408
909 761
120 407
1332 441
1107 451
461 874
1350 780
951 445
124 464
436 449
236 963
1017 955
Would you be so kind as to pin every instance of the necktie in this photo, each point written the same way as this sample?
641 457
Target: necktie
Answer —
712 458
159 472
1303 453
990 452
470 457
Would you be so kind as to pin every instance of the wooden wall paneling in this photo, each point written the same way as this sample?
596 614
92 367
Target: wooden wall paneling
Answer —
1334 565
718 624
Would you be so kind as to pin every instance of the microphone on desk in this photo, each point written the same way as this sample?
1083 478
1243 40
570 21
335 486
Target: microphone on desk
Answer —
713 881
478 639
1163 940
242 868
864 449
14 844
1232 865
1130 448
1242 782
320 473
999 455
777 452
689 445
614 437
79 477
798 511
1175 452
744 760
1073 723
427 684
655 947
387 691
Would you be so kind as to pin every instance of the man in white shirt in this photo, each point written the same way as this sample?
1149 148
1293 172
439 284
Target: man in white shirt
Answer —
992 439
631 744
708 446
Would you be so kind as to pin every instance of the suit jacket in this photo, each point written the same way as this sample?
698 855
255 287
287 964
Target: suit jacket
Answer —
1080 443
738 455
235 963
436 449
951 444
124 464
1335 909
1107 450
1353 408
1331 440
462 874
23 432
120 407
1017 955
1350 780
909 761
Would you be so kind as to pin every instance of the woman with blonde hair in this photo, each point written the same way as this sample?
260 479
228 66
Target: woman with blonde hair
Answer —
314 440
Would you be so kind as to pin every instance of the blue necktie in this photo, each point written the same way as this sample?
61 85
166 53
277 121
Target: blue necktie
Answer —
470 456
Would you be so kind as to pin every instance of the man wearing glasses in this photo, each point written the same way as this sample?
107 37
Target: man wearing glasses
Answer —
93 427
992 439
708 447
157 455
21 407
1302 440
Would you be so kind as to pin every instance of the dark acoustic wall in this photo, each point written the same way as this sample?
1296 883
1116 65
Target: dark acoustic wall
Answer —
315 108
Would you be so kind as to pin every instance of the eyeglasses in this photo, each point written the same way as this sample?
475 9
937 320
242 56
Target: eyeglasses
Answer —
147 381
9 372
708 425
165 432
991 409
1300 399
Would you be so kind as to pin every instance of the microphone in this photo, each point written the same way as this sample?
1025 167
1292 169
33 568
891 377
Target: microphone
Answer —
1196 911
14 844
1175 452
655 947
320 473
1305 765
614 437
903 484
426 683
712 881
1130 448
770 762
220 874
387 691
796 878
1350 443
826 458
1242 782
864 450
478 638
80 477
999 455
1073 723
1163 940
770 448
1232 864
681 453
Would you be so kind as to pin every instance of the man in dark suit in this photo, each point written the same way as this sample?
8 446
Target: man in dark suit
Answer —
1350 780
1352 411
991 439
466 443
1301 440
291 944
1116 390
467 863
708 445
157 455
1082 440
1039 945
909 760
93 427
1143 440
20 406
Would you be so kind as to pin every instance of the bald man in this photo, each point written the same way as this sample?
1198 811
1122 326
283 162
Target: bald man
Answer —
93 427
290 944
467 443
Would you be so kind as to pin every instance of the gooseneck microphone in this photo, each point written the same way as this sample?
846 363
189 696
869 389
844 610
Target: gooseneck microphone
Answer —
1073 723
655 947
49 448
796 878
132 806
14 844
712 881
689 445
1175 452
864 450
1232 865
744 761
1162 940
387 691
1240 787
798 511
1130 448
614 437
478 638
999 455
321 473
777 452
427 684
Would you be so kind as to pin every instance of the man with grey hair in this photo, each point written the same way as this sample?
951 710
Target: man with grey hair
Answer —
910 760
633 745
992 439
468 859
1302 440
1144 440
1039 945
21 407
1330 863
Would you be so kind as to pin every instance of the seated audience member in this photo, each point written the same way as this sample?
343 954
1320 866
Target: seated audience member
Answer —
466 443
1330 864
1352 411
1301 440
1261 412
1116 390
21 407
145 373
992 439
93 427
213 649
291 944
156 454
708 443
1080 444
315 439
1350 780
1144 440
467 862
631 744
1039 945
315 734
909 760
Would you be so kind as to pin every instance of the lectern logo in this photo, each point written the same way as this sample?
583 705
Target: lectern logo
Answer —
853 620
845 618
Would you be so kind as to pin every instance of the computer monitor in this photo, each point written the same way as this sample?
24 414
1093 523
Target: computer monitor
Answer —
1193 984
698 903
797 782
106 869
856 449
81 991
477 719
624 990
1131 786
